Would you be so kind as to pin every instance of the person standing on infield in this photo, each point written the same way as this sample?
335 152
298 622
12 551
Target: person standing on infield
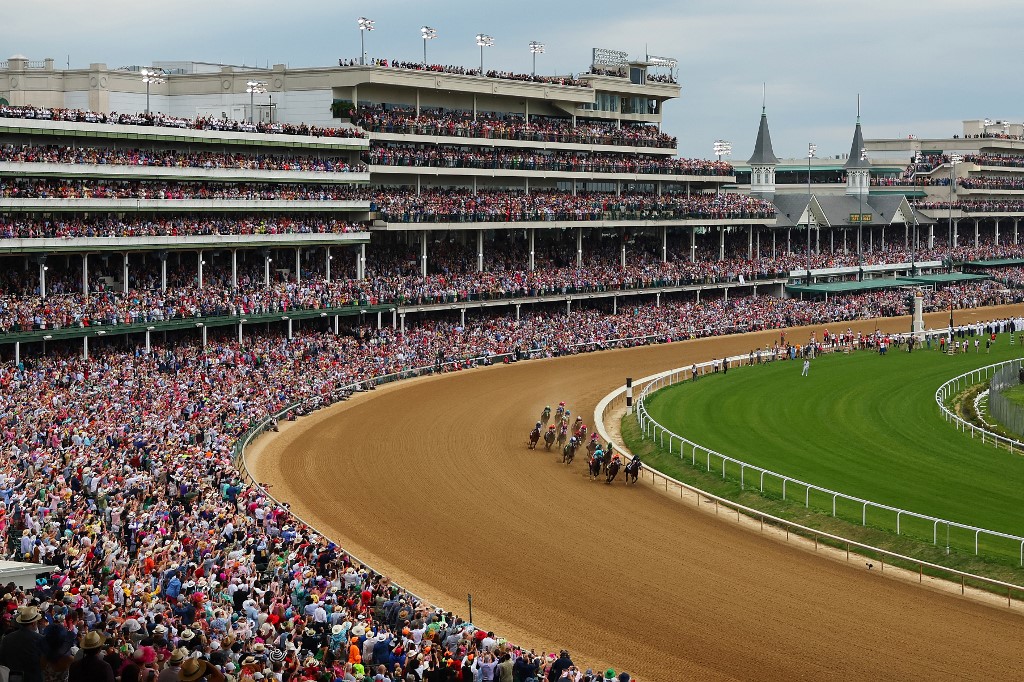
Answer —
807 368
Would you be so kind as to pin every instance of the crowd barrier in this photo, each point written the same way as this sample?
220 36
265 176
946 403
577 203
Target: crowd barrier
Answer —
652 430
972 378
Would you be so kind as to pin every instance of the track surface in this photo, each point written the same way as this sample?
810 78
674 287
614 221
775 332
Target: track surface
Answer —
430 481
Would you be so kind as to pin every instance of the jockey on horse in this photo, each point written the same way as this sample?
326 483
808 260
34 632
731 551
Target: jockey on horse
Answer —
613 468
563 434
546 414
535 436
595 463
633 469
560 410
549 437
569 451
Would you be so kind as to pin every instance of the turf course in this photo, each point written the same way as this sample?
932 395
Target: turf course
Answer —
861 424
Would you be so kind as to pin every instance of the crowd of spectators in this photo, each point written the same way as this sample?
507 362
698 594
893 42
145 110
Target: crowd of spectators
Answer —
991 182
120 472
463 71
180 225
1005 160
440 156
621 72
66 188
156 119
503 205
172 158
452 123
975 206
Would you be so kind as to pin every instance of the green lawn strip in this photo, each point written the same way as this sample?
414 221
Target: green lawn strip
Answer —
860 424
911 542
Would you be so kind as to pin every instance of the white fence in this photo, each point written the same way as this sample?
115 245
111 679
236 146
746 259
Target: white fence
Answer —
617 398
972 378
676 443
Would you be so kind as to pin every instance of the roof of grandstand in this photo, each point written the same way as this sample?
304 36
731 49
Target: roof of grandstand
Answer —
834 288
995 263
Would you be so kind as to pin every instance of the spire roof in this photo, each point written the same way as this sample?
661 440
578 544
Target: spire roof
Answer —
855 160
763 154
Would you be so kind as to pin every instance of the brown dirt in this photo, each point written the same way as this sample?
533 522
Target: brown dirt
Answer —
430 481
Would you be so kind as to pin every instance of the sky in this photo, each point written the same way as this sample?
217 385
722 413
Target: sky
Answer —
920 66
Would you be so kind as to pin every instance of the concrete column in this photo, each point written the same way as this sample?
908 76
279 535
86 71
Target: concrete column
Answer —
664 241
789 240
124 274
698 295
380 325
721 242
568 306
394 318
1015 231
147 340
266 268
997 231
726 292
327 263
289 328
337 322
622 250
977 224
750 241
85 347
17 352
239 333
956 232
85 274
362 261
423 252
403 323
42 275
615 305
462 317
530 246
579 247
163 270
906 235
418 185
517 311
657 300
479 250
931 236
693 244
204 335
298 264
757 245
199 269
234 268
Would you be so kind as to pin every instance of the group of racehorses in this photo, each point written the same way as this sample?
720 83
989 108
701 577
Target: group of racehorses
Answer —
600 461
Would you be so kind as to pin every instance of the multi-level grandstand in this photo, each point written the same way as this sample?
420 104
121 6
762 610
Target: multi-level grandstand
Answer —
191 252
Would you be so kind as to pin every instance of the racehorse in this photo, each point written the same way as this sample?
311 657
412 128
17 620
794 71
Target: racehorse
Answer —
546 414
633 469
591 447
534 437
563 435
613 470
569 451
559 411
549 438
595 465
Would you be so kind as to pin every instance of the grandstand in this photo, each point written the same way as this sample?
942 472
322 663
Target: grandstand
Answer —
185 264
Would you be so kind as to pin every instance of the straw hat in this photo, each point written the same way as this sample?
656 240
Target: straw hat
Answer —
192 669
28 615
93 640
177 657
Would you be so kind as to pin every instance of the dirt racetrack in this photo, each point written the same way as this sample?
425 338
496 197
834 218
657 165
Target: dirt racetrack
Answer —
430 482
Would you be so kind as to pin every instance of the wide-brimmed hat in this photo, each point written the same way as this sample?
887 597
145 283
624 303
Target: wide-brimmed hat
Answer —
93 639
187 636
28 615
276 655
192 669
337 630
177 656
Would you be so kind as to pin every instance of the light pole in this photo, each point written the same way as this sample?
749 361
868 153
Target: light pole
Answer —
483 40
427 33
152 76
254 88
364 26
535 49
954 159
811 149
721 148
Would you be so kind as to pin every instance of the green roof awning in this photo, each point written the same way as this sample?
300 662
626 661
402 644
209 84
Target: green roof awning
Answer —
943 278
995 263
